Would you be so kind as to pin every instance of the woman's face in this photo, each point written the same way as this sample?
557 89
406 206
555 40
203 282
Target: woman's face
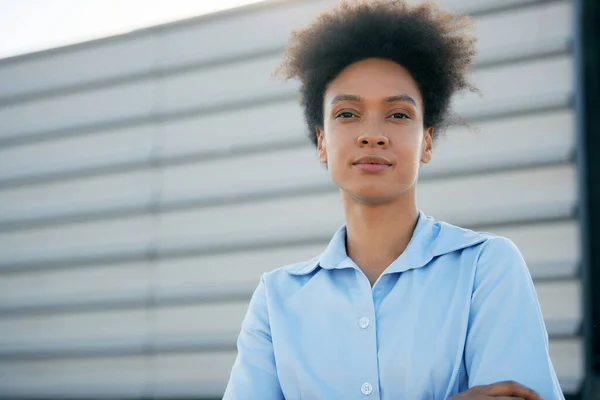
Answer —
373 139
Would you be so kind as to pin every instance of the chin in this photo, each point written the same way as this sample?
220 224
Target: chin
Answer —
374 195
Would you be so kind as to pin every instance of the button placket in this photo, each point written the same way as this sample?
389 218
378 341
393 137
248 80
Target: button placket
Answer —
367 324
364 322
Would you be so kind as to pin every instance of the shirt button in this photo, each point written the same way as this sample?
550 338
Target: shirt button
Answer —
363 322
366 388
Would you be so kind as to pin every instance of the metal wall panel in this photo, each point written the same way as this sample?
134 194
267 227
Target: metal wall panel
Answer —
225 131
198 320
567 358
508 143
104 59
41 331
89 194
230 86
176 374
84 282
523 82
75 378
69 111
214 270
561 306
527 195
271 173
129 145
189 44
85 238
545 26
550 249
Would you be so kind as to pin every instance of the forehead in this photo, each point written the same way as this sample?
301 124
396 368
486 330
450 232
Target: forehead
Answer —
374 79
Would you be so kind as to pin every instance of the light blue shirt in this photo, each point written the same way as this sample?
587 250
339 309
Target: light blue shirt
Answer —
457 309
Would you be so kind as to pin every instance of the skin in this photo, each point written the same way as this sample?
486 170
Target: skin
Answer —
380 206
374 108
501 390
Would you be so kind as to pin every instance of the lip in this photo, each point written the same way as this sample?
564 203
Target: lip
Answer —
372 163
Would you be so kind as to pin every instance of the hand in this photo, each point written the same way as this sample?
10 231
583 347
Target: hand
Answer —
507 390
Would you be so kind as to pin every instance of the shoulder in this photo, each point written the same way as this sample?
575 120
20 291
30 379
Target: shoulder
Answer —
498 247
498 258
495 259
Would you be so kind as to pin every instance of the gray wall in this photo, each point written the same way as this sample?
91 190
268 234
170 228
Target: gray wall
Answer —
147 180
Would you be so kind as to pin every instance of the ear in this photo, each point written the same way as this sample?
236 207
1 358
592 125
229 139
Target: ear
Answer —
427 152
321 145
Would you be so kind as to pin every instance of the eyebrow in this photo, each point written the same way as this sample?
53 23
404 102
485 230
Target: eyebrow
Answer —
391 99
401 97
344 97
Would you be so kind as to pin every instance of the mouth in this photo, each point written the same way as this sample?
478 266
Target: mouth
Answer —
372 163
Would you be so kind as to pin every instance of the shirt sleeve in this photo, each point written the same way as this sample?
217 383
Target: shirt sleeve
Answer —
254 375
507 337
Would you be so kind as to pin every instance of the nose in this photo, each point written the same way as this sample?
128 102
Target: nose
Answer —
373 141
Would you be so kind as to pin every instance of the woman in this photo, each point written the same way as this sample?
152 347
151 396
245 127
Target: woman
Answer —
398 306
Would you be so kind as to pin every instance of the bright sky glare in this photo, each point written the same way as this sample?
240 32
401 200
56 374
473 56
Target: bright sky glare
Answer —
33 25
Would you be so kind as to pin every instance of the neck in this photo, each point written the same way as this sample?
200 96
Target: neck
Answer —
378 234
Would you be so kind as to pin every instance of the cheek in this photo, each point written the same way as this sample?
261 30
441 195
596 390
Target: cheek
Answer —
338 156
339 144
408 147
336 159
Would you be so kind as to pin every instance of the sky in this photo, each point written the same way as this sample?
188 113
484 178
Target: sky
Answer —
32 25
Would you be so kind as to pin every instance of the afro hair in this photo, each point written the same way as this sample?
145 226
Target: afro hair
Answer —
435 46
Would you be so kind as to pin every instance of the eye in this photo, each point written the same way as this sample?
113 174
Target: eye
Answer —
399 116
345 115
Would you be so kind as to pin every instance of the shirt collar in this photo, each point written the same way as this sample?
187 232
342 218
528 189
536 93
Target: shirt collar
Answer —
430 239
